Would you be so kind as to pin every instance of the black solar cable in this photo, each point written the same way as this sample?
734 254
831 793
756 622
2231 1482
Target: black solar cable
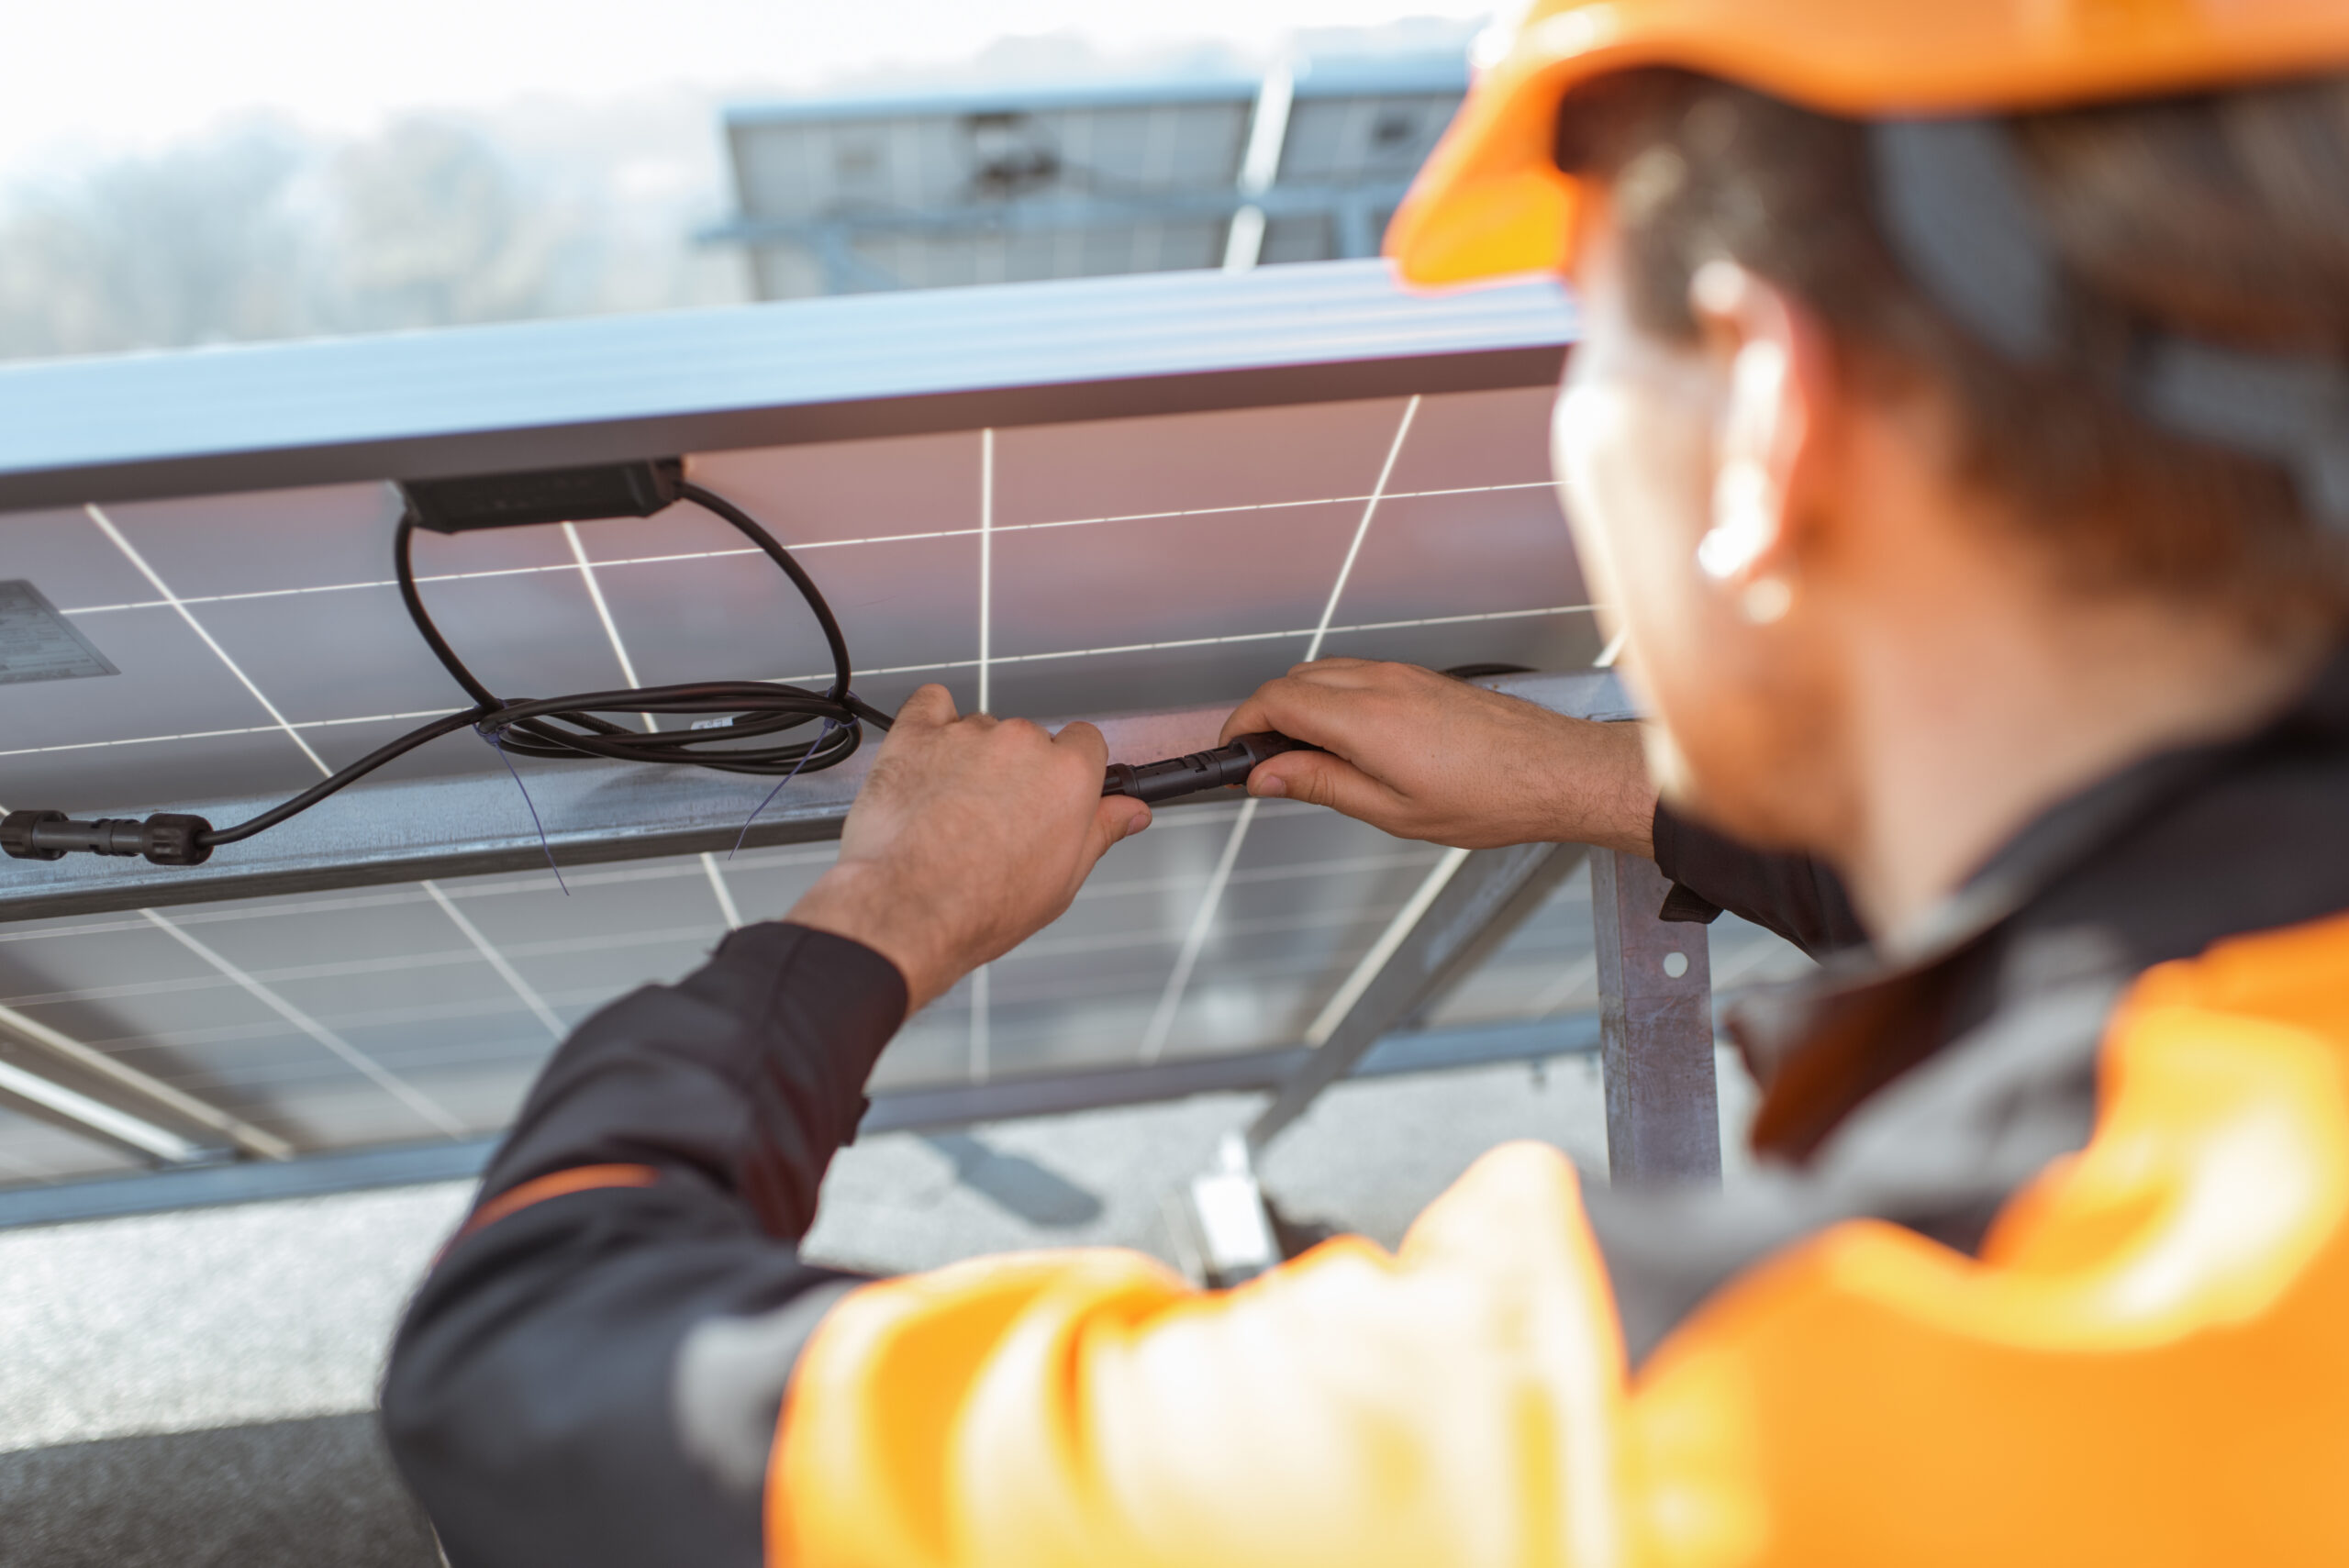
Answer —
735 728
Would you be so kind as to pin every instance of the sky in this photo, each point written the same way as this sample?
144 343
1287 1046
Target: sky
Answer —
85 78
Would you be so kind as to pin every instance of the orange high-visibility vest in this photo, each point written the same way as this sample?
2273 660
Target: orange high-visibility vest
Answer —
2148 1365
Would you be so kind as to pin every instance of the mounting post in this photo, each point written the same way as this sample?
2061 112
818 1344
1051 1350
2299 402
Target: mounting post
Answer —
1656 1040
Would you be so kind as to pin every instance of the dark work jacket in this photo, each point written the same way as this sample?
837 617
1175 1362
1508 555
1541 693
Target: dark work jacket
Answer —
592 1373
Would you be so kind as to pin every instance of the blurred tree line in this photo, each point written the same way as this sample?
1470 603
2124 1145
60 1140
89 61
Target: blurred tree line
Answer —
262 231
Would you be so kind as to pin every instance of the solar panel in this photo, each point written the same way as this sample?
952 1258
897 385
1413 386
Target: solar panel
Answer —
1151 560
851 194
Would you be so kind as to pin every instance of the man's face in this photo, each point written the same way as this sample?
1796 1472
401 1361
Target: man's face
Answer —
1637 443
1629 444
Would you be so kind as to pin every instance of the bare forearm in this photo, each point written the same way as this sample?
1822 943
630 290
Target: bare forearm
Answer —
1600 793
1424 756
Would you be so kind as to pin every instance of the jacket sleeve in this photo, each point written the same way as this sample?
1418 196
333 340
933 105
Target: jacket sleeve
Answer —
2145 1366
1794 895
592 1372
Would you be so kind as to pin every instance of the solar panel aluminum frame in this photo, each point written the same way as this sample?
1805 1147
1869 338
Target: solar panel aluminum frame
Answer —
518 396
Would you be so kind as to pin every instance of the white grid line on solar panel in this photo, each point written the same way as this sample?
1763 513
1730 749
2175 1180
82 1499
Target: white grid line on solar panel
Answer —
376 1018
1187 642
306 1106
497 959
651 722
472 934
1252 973
1031 995
424 1107
878 670
1264 925
431 1062
427 1109
976 1064
525 1050
422 1104
986 564
562 947
1302 975
1153 1038
604 612
799 549
1221 972
523 1053
473 1054
236 1081
1022 996
219 734
725 894
541 882
1308 970
343 969
106 526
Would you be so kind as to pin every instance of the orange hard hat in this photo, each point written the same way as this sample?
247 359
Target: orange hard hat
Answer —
1492 201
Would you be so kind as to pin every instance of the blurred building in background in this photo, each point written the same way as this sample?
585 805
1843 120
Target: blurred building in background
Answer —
851 194
1039 160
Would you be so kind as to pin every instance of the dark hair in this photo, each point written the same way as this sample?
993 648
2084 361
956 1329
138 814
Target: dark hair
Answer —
2223 217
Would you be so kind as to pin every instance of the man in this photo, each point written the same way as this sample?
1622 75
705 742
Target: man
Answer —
1971 492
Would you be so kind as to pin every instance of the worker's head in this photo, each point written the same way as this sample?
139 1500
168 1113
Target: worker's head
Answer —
1825 426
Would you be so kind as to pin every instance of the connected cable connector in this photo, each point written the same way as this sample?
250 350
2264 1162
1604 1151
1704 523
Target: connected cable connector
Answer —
1229 766
1196 771
168 838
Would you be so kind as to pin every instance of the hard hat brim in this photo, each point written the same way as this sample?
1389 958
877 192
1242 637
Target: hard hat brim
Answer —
1492 202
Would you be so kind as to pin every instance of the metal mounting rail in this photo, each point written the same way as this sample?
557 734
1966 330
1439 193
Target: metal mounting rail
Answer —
894 1111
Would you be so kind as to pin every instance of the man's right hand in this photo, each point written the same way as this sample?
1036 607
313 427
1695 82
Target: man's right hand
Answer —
971 835
1425 756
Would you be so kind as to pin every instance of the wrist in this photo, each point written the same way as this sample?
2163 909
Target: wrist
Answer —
1605 797
859 900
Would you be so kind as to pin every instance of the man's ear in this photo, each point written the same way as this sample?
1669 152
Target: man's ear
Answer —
1775 374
